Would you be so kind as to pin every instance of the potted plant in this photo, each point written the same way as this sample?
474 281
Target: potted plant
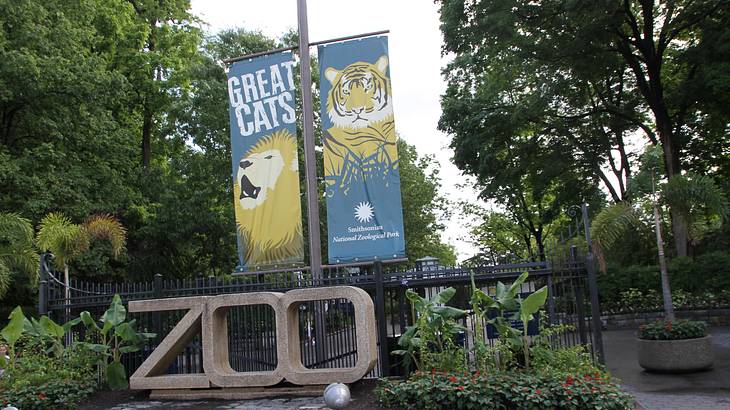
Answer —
680 346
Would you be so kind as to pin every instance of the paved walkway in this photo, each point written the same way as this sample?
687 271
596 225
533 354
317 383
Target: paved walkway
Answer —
299 403
707 390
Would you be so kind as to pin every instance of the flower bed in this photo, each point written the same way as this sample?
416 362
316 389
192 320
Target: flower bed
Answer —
503 390
677 330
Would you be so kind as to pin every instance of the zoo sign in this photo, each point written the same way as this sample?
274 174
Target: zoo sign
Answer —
265 167
207 315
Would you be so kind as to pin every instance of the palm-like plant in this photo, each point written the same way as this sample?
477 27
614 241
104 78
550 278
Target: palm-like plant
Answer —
16 249
699 202
67 241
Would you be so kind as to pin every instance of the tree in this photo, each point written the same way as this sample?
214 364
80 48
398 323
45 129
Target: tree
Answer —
669 54
160 65
67 241
17 252
422 206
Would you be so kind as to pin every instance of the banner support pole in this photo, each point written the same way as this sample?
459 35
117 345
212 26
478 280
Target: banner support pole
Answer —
310 165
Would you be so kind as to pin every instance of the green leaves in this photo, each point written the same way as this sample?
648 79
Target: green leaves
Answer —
14 329
117 337
116 376
532 304
116 313
434 329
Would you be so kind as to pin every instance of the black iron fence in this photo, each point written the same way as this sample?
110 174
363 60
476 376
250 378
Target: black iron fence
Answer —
251 329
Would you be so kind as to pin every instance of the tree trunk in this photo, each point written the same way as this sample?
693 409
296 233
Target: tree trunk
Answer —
673 167
666 290
147 113
146 135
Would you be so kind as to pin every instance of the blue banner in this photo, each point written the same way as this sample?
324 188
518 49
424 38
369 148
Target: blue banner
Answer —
364 215
265 166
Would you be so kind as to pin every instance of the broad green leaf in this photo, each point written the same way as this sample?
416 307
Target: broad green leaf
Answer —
501 291
128 349
413 296
517 284
71 323
14 329
95 347
116 312
533 303
127 333
147 335
444 296
88 320
448 312
116 376
479 297
51 327
107 327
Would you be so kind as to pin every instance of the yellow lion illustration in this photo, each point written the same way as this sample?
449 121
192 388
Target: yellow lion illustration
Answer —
267 207
361 143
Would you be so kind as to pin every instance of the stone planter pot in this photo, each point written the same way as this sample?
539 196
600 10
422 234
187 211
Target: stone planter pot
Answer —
676 356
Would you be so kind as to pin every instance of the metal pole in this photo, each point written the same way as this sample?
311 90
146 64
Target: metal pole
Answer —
593 289
310 165
43 286
380 319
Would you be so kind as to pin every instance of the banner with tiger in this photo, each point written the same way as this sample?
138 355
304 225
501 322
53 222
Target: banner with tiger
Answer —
364 214
265 162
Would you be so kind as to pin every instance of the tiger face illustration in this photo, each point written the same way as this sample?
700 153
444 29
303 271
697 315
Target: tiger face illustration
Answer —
361 143
360 94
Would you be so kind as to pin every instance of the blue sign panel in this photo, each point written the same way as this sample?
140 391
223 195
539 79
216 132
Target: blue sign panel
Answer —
265 165
364 212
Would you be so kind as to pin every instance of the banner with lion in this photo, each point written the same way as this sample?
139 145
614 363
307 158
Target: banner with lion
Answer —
364 213
265 167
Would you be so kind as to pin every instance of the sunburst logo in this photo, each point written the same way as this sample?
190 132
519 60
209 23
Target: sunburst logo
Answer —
364 212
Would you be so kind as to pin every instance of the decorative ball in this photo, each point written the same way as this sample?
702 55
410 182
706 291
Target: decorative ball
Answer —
10 408
337 396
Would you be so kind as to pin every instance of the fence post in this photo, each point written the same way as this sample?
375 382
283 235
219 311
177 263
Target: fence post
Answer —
43 286
551 299
593 289
157 294
380 317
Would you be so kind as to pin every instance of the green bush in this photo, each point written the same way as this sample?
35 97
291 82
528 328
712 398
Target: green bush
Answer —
503 390
705 274
677 330
40 381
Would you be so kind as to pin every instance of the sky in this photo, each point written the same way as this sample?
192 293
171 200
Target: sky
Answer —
415 66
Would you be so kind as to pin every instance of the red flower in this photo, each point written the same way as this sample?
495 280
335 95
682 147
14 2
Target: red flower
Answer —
569 381
460 388
452 379
538 391
41 396
478 374
433 370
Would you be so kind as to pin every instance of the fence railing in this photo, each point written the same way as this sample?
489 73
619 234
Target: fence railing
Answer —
252 332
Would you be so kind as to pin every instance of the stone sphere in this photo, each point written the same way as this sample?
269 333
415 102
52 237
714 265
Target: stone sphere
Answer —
337 396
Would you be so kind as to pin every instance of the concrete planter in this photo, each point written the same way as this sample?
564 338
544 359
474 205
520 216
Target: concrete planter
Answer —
676 356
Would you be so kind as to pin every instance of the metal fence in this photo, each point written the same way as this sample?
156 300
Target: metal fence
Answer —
251 329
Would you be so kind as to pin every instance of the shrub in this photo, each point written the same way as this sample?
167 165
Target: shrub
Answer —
39 381
503 390
709 272
678 330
